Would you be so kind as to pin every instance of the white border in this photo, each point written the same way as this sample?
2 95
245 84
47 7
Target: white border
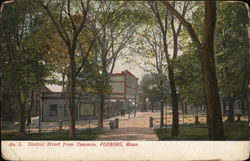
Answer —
146 150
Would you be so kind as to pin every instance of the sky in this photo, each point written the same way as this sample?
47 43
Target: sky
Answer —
133 68
120 66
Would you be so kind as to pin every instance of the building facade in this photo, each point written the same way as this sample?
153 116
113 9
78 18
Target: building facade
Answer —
9 107
124 96
124 93
55 106
37 101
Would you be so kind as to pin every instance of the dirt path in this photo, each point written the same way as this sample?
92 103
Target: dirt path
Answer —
135 128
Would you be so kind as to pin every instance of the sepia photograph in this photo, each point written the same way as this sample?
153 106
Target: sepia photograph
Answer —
84 78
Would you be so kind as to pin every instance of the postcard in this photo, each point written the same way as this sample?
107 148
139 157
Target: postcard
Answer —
124 80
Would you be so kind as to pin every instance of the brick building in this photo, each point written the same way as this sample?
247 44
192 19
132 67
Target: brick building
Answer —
124 93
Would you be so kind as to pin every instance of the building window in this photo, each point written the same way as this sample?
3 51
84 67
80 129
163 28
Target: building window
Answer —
53 110
65 111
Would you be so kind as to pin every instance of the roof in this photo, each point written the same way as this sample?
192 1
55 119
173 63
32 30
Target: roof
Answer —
45 88
124 73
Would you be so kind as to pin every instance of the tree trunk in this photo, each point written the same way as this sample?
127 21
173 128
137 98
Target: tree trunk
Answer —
175 118
162 104
63 82
31 107
162 114
248 30
29 117
185 108
21 129
108 110
21 114
248 110
215 126
231 108
72 86
242 102
206 51
224 101
101 110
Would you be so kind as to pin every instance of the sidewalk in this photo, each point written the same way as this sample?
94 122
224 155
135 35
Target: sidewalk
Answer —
135 128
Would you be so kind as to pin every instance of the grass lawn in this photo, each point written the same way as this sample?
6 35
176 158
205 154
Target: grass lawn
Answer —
233 131
84 135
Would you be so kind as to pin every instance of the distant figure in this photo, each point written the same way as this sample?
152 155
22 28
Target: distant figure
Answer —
3 2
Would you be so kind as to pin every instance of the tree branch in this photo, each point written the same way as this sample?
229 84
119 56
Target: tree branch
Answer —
46 8
186 24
